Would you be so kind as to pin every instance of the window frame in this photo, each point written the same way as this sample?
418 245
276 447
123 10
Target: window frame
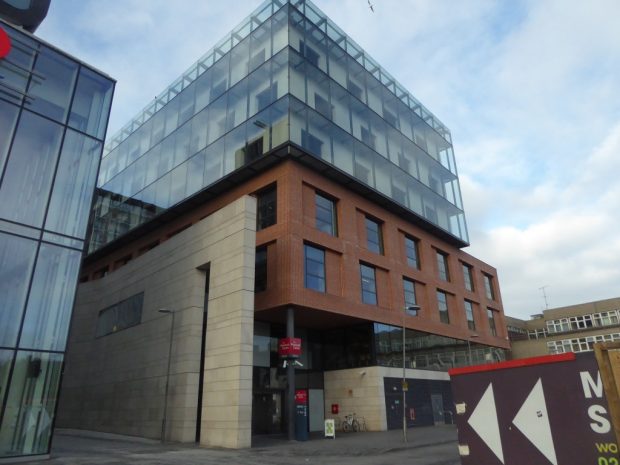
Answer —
469 314
371 244
492 323
331 229
468 277
265 219
443 268
415 261
365 290
321 278
444 313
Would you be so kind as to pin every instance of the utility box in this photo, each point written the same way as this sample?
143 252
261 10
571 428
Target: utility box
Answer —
541 410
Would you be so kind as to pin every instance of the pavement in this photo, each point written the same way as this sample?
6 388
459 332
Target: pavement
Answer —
436 445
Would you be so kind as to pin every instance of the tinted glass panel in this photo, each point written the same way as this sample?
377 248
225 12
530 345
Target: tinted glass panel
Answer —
469 313
74 184
266 209
314 268
260 271
89 111
374 238
325 215
51 299
369 285
51 85
30 169
442 303
8 118
16 261
411 248
29 413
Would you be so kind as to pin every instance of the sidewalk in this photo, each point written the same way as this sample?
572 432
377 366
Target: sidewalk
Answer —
425 446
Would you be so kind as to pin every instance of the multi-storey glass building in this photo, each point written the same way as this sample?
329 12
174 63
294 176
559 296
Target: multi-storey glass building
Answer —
285 185
53 117
286 75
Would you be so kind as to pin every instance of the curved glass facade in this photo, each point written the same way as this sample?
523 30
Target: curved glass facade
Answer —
53 115
286 74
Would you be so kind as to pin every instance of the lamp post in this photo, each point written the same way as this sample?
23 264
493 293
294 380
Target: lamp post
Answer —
163 420
469 346
414 309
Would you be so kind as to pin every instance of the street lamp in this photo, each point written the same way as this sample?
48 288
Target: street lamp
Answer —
414 309
163 420
469 346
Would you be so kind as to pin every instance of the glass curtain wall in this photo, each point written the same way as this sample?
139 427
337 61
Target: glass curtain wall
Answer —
287 73
53 116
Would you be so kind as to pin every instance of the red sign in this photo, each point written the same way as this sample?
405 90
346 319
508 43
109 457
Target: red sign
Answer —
301 397
335 409
5 43
289 347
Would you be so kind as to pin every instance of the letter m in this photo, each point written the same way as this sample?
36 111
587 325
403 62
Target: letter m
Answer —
589 385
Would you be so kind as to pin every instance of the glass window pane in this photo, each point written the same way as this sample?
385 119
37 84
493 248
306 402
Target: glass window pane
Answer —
8 117
52 84
6 357
74 184
51 299
28 177
28 417
17 65
91 104
16 261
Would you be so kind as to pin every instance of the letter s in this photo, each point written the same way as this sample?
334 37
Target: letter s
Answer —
601 424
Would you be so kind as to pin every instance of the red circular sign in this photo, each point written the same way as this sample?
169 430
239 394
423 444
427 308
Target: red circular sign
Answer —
5 43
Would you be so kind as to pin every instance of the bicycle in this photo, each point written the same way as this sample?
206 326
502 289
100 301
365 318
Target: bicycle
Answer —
350 423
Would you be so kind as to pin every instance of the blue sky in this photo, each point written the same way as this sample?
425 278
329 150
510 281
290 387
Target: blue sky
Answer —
529 90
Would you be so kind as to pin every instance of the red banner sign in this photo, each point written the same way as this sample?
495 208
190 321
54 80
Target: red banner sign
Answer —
301 397
289 347
5 43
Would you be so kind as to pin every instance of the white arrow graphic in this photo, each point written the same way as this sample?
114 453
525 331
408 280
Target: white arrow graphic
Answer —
533 421
484 422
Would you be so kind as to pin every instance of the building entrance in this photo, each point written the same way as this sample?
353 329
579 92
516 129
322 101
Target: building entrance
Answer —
267 411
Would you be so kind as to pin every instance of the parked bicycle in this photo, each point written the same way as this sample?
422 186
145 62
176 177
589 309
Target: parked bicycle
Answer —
350 423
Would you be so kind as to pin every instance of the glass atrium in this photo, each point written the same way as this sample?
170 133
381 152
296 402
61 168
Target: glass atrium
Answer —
286 75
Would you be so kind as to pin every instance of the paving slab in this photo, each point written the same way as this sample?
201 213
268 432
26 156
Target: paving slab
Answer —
435 445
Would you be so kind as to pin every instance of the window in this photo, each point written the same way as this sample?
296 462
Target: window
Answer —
311 142
368 137
264 98
374 238
488 286
411 249
260 269
314 276
442 304
491 316
266 214
442 266
323 106
326 219
469 313
369 284
410 297
468 277
311 55
122 315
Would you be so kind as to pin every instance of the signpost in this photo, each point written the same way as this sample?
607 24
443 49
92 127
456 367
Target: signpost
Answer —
542 410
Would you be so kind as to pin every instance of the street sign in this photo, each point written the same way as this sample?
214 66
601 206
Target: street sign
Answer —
289 347
543 410
405 385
